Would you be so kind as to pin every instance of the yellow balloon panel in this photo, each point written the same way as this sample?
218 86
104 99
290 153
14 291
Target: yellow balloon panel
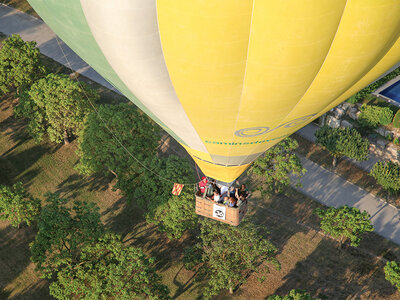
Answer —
231 78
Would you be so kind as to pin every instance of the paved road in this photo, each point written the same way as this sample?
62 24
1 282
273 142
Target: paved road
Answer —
318 183
332 190
33 29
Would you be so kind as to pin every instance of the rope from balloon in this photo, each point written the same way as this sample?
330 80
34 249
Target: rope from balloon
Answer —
113 135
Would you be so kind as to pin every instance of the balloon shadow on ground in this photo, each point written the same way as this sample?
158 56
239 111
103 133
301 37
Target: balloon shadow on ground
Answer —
346 274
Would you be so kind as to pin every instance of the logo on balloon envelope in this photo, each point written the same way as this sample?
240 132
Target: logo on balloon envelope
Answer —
219 212
255 131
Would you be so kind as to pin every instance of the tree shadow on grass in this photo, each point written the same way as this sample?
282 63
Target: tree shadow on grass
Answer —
15 164
346 274
72 186
17 278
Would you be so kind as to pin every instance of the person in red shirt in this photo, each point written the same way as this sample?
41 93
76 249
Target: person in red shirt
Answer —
203 185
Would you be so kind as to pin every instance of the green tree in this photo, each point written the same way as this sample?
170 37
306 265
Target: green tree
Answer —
17 205
276 166
151 189
387 174
392 273
56 105
293 295
345 223
176 215
20 64
226 255
107 269
98 150
343 141
62 233
372 116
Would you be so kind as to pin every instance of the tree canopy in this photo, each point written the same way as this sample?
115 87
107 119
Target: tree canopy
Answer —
343 141
20 64
276 166
392 273
151 189
56 105
226 255
98 150
372 116
176 215
345 223
62 233
387 174
107 269
17 205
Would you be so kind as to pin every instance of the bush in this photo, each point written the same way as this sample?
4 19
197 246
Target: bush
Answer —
373 86
20 64
392 273
396 120
372 116
353 99
17 205
343 141
396 141
345 223
387 174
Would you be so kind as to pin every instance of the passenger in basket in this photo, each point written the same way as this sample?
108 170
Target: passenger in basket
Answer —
243 191
216 197
224 191
240 201
202 185
232 192
232 202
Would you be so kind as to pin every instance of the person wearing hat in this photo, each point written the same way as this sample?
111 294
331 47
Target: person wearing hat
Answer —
203 185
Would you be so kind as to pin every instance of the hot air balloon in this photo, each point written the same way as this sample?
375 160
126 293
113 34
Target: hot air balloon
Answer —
230 78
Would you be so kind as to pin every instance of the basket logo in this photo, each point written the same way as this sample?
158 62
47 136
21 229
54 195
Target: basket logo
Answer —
219 213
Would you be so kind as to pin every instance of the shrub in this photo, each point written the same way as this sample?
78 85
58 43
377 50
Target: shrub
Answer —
20 64
343 141
387 174
17 205
345 223
396 120
392 273
372 116
373 86
396 141
353 99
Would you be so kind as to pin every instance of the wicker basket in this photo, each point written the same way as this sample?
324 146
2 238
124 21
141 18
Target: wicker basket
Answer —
233 215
